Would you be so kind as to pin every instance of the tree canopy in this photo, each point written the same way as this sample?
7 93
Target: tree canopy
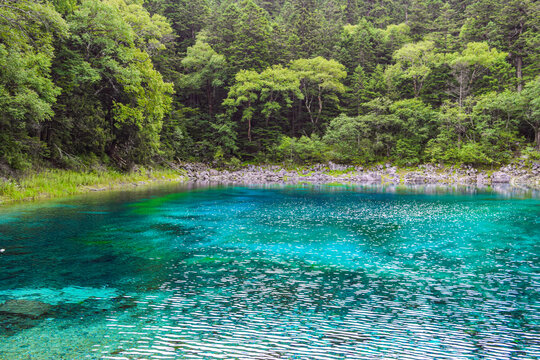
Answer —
126 82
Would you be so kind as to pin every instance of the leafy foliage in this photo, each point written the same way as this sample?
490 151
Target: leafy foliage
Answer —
126 82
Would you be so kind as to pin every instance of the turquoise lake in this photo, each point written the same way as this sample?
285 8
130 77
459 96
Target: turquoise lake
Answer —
274 272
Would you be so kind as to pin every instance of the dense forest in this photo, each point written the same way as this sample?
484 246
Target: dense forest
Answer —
125 82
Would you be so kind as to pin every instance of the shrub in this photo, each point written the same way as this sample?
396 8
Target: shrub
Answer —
302 150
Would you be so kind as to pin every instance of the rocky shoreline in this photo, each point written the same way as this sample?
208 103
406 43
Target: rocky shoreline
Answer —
518 175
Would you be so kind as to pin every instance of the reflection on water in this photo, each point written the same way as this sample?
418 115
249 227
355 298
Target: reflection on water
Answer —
292 272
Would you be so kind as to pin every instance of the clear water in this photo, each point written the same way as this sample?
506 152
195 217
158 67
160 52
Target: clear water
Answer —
328 272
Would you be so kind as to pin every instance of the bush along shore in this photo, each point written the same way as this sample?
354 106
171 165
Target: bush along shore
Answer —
50 184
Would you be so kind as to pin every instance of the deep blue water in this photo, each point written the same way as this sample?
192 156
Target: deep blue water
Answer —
293 272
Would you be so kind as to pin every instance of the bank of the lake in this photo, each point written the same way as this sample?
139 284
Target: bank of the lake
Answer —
520 174
59 183
55 183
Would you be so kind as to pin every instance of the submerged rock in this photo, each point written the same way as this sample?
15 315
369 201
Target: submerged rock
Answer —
343 336
27 308
12 324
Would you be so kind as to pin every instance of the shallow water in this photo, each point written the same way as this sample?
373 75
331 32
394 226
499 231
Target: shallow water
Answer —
292 272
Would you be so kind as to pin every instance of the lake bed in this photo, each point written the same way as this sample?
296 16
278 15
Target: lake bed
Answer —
267 272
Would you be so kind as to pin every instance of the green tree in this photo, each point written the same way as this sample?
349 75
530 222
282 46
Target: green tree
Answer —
359 45
245 94
205 73
320 83
306 23
445 28
27 92
112 91
511 26
422 14
26 98
471 64
496 120
302 150
399 131
395 36
243 33
384 12
187 19
64 6
280 86
265 93
26 24
251 49
529 104
363 88
348 138
458 140
414 61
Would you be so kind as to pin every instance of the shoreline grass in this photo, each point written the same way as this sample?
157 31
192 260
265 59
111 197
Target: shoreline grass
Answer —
55 183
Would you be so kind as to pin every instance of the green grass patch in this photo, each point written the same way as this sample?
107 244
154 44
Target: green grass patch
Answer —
59 183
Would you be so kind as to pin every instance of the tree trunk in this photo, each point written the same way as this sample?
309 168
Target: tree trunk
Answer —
249 129
461 89
308 107
210 100
519 72
320 108
249 123
308 101
537 137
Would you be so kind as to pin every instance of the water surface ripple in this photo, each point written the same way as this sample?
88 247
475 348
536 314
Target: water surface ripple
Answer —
294 272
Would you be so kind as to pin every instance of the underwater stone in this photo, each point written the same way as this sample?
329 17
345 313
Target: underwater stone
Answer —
342 336
28 308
